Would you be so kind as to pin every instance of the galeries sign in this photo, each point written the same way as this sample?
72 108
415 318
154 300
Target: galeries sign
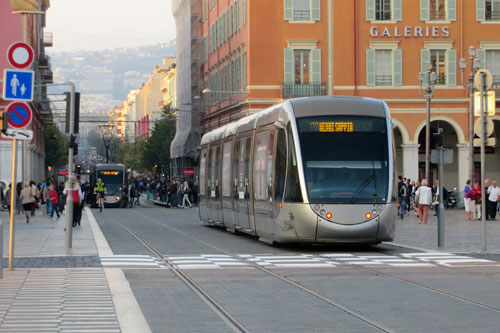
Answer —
376 31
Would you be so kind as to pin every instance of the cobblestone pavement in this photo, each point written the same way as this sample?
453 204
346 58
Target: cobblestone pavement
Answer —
460 236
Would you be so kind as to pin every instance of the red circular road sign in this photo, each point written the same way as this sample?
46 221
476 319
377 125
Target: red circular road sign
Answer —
20 55
19 114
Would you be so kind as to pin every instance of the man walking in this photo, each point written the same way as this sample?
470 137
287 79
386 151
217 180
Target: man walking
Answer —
493 194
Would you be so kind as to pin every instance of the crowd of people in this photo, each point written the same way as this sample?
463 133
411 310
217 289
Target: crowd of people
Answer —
422 197
174 193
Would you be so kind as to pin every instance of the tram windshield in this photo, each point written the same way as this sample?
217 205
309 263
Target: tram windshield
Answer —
113 179
345 158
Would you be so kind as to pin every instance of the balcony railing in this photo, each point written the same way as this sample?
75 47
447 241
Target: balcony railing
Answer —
44 62
301 15
383 80
492 15
291 90
48 39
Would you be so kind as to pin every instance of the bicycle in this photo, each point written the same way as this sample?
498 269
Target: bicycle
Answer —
100 201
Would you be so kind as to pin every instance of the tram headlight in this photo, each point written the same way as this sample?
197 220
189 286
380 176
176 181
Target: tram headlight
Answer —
368 216
322 212
329 215
374 212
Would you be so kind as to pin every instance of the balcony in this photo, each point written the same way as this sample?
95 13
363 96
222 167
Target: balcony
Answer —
44 62
47 76
48 39
291 90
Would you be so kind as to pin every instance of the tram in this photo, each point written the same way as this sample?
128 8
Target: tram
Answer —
308 170
115 177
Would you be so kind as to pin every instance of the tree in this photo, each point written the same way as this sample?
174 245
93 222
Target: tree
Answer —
56 147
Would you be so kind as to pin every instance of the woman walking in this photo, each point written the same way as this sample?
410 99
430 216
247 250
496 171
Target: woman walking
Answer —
423 197
468 199
476 202
19 202
27 200
53 198
187 191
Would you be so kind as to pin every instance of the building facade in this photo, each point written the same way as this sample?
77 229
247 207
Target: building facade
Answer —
31 154
257 53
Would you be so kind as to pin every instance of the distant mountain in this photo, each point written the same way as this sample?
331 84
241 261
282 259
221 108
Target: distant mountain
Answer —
104 78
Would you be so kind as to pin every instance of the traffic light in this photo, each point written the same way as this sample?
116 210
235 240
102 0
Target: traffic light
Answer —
3 121
438 137
76 116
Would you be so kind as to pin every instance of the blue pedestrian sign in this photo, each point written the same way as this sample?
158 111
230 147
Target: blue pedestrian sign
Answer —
18 85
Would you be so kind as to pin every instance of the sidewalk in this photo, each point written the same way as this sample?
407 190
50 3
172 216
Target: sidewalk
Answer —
54 289
460 236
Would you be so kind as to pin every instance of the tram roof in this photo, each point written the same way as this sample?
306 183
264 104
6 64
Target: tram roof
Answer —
324 105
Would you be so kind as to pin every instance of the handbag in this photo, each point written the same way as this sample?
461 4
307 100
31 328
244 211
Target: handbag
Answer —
435 200
478 201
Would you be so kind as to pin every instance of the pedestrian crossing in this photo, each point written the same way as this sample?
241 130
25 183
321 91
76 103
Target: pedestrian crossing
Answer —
324 260
131 261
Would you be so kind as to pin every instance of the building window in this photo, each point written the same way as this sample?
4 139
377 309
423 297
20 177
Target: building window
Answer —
438 61
301 10
492 63
492 10
383 10
301 66
383 67
437 10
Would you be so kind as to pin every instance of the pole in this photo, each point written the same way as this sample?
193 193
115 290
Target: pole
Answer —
484 103
12 207
24 142
428 128
471 126
441 205
330 47
69 185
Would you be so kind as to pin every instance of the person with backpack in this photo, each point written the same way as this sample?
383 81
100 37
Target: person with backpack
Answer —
402 193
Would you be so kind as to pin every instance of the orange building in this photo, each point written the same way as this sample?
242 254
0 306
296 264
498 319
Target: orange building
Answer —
257 53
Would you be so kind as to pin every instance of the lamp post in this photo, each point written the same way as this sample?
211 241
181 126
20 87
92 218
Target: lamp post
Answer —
475 64
106 129
428 94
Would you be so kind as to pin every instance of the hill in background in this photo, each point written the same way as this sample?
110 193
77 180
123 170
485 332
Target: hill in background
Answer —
104 78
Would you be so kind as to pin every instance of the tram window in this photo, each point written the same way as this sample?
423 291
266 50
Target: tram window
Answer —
236 168
215 172
226 170
293 192
280 166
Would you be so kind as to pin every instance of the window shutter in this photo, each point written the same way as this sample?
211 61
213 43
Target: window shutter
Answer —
289 77
244 12
397 71
370 10
238 12
451 68
316 66
480 10
425 57
235 28
370 67
481 54
288 16
244 86
451 14
315 10
398 10
424 10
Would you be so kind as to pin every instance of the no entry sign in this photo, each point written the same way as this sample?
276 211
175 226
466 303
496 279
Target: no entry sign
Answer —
19 114
20 55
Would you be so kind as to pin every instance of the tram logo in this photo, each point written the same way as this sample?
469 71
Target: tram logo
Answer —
287 225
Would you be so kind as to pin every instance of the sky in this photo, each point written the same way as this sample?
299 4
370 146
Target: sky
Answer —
103 24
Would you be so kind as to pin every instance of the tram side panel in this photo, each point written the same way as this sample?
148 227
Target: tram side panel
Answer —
203 207
241 165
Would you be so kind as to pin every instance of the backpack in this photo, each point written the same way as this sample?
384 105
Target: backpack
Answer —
402 191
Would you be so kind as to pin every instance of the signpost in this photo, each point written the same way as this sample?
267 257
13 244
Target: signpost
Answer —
18 85
20 114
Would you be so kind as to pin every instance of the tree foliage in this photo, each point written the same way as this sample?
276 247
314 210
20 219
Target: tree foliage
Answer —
56 147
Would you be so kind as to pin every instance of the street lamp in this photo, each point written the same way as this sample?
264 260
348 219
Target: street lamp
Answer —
428 94
106 128
475 64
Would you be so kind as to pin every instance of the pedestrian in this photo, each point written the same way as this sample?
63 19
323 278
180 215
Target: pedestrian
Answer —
7 195
402 190
467 199
27 200
45 198
34 194
185 198
19 201
424 199
53 198
409 188
476 202
486 187
493 195
77 196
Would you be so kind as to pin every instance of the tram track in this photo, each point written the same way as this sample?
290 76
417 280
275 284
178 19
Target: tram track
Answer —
337 305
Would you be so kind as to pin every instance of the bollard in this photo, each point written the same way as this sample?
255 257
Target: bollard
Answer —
1 248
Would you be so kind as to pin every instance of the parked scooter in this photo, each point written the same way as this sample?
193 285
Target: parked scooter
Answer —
451 200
